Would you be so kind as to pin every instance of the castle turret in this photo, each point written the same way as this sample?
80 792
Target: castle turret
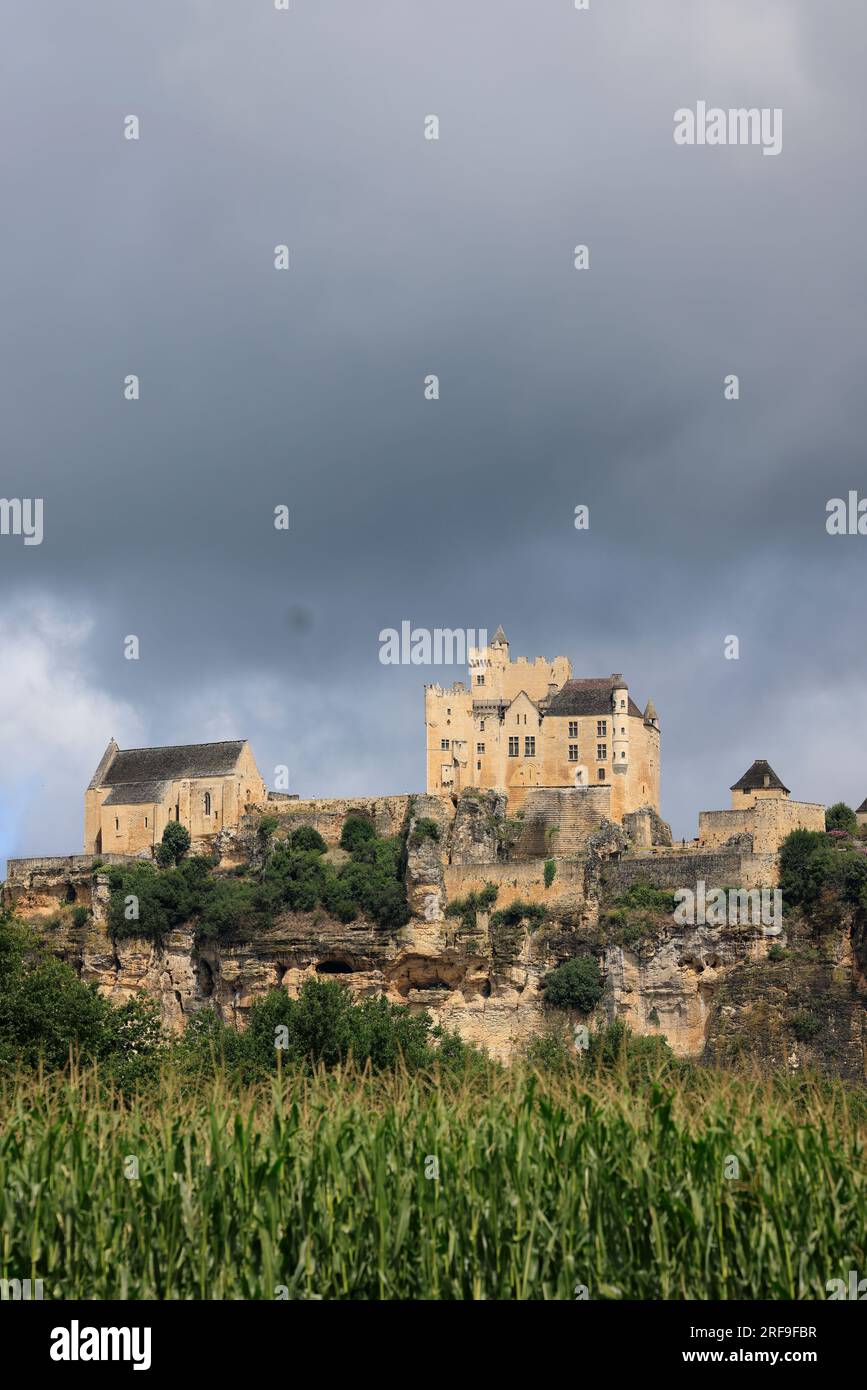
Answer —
650 715
619 725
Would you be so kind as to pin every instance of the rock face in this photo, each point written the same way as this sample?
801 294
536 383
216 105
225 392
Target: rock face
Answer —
713 992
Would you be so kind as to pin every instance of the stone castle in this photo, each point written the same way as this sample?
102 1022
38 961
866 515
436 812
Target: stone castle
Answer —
523 725
542 787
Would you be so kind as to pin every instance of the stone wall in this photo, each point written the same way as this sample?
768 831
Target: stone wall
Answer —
683 869
769 820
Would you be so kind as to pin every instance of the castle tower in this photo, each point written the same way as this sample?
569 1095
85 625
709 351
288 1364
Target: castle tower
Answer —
620 726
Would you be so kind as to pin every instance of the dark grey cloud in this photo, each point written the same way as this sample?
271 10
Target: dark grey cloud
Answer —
455 257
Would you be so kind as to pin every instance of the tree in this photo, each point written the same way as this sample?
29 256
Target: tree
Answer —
308 839
174 844
356 830
841 817
575 985
807 863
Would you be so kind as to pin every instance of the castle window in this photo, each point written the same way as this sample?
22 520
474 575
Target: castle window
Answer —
573 752
207 803
601 728
480 748
444 744
478 767
481 726
573 728
146 822
601 774
529 746
623 704
514 747
623 755
448 711
480 680
116 823
601 752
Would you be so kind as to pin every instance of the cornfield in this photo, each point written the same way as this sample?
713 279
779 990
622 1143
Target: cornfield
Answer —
352 1186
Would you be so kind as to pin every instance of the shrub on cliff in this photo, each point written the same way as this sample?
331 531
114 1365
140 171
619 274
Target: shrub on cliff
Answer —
577 984
812 871
356 831
424 829
807 863
518 912
307 838
174 844
841 817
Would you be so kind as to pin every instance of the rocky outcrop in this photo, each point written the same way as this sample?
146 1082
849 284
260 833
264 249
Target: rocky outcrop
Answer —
722 993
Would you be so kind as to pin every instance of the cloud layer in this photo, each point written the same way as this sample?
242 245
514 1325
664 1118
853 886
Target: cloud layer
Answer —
305 388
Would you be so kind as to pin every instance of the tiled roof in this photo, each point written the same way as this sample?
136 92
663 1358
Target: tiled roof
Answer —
589 696
754 778
148 765
137 793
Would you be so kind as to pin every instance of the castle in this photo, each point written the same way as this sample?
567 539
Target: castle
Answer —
523 725
135 792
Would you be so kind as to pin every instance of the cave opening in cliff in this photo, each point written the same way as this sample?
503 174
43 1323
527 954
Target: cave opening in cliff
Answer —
333 967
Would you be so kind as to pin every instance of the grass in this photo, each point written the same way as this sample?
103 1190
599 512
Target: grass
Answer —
318 1186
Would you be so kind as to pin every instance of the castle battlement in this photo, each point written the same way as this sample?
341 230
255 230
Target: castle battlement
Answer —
525 724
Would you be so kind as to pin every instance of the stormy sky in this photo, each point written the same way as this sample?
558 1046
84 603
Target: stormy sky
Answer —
305 387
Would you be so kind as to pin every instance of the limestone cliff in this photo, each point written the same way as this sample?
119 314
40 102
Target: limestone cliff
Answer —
720 993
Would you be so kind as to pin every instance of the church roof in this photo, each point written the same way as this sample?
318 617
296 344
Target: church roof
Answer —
754 778
137 794
146 767
589 696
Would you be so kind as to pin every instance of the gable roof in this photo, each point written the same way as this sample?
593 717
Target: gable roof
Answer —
147 767
862 809
754 778
589 696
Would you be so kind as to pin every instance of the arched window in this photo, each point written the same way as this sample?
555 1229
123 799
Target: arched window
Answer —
207 803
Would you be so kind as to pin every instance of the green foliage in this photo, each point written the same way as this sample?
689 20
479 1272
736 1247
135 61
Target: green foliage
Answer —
550 871
236 905
80 914
647 897
518 912
266 827
577 984
318 1182
474 902
841 817
306 838
776 952
424 829
805 1025
174 844
820 878
356 831
325 1026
